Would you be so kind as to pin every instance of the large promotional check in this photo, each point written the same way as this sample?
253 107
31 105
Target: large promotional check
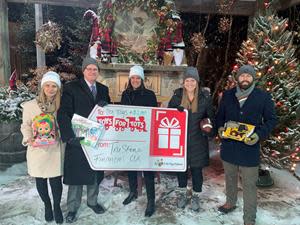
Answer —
139 138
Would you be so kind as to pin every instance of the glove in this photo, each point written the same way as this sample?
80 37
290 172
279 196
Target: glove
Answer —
220 132
75 141
252 140
180 108
102 103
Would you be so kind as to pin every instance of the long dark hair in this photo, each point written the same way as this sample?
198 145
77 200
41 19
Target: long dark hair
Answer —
129 87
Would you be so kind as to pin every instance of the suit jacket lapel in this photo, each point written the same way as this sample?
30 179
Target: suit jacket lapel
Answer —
87 90
99 94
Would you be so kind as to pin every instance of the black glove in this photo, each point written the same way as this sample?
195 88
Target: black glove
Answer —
180 108
102 103
75 141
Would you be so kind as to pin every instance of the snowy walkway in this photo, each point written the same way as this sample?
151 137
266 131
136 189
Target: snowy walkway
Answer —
280 205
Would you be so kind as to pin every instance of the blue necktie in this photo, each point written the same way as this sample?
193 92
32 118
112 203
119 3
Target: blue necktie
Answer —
94 91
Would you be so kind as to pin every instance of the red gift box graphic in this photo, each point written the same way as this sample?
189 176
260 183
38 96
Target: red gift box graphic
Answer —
169 133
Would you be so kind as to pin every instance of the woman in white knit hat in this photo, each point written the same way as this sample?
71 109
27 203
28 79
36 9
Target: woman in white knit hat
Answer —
44 146
137 95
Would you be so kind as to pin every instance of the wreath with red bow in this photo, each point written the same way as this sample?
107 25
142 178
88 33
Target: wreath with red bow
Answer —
168 30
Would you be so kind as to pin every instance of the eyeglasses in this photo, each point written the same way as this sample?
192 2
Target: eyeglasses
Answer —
91 69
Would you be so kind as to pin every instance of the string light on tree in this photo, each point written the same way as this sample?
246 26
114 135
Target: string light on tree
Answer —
269 49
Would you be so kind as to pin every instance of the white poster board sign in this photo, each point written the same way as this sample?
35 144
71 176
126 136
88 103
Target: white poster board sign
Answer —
139 138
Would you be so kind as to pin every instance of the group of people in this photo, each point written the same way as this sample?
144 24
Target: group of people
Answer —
65 158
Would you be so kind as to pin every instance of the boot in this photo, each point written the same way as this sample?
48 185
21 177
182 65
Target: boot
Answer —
42 188
58 214
195 201
131 197
181 198
56 187
226 208
48 212
150 208
71 217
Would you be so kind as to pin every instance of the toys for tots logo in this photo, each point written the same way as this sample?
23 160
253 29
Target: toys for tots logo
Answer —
120 124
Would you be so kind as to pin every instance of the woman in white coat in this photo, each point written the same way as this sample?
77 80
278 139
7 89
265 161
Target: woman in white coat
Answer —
44 146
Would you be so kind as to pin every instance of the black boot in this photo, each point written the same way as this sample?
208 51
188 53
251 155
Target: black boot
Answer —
131 197
150 208
56 187
42 188
48 212
58 214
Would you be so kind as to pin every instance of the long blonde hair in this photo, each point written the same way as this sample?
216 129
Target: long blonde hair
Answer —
42 99
186 103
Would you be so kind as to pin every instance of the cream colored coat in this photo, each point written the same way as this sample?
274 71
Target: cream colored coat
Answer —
42 162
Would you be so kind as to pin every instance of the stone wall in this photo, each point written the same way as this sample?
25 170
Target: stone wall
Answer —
163 80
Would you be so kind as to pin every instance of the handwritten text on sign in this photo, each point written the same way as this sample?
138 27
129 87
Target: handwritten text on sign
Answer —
139 138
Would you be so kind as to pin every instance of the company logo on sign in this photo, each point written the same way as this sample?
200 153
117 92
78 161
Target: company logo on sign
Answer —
132 123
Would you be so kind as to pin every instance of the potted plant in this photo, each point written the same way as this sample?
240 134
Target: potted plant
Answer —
11 150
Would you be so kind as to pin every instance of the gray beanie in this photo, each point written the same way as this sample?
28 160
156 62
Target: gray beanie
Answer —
246 69
191 72
88 61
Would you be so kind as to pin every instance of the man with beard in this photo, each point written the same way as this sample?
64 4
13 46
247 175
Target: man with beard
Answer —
245 104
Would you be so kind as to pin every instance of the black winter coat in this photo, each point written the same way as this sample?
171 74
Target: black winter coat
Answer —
197 141
77 98
140 97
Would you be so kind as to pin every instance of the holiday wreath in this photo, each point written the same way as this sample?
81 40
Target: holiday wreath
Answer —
137 31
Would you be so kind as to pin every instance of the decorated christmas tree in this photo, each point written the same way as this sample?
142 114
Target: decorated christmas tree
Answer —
269 48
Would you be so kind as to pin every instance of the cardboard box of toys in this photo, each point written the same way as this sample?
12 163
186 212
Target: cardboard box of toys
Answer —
238 131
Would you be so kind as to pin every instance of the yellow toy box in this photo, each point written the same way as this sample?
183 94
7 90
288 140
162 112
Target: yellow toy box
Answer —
238 131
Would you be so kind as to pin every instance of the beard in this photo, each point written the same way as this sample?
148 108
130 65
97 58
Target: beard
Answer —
245 85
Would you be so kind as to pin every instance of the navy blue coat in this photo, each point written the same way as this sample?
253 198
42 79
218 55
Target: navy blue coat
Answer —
77 98
259 111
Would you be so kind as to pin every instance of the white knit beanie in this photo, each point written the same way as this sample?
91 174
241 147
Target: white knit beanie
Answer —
138 71
51 76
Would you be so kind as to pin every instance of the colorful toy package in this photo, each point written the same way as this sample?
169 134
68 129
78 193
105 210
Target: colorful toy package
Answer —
238 131
44 130
90 130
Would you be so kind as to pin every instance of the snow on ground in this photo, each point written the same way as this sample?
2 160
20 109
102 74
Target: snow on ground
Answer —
13 173
280 204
